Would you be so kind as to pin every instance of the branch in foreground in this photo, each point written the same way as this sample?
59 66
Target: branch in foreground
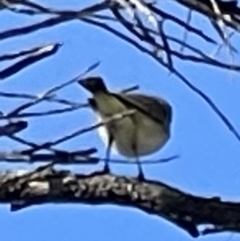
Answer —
47 185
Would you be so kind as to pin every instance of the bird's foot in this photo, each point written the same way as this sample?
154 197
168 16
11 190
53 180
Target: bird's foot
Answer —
106 169
141 177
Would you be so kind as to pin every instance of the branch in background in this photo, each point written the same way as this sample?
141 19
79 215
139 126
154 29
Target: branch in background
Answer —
34 27
65 157
204 58
13 128
53 99
19 54
35 55
130 89
44 185
51 93
229 9
151 41
5 4
39 9
62 16
185 34
181 23
45 113
57 157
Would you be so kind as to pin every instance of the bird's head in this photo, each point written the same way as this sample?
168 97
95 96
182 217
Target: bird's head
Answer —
93 84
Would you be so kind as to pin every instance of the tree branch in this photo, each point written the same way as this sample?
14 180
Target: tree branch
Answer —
47 185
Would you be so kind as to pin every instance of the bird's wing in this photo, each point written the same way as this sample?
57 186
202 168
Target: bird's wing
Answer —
157 108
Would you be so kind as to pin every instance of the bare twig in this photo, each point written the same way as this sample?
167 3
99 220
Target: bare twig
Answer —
57 156
93 127
12 95
65 157
34 56
13 128
51 92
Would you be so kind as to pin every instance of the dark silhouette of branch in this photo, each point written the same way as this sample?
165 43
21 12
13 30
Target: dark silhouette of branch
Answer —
45 113
35 27
56 156
62 16
53 98
12 56
226 7
22 189
181 23
34 55
50 94
204 58
13 128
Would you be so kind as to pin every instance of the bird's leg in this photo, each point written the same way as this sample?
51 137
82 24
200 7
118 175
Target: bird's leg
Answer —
135 149
140 170
106 168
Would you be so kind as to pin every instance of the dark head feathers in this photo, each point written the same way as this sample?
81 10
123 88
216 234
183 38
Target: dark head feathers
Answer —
93 84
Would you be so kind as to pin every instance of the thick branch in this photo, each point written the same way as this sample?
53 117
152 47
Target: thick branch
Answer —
184 210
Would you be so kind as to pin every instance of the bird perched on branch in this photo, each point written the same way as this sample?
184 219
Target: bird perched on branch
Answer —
141 133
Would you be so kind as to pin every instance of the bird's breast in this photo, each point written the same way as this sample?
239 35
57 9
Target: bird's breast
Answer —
140 135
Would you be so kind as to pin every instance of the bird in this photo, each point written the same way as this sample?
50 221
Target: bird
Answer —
142 133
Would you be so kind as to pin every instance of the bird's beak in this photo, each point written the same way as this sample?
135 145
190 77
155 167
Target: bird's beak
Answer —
84 83
88 84
93 84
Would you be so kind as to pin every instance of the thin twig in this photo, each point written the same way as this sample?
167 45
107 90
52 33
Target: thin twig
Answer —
51 92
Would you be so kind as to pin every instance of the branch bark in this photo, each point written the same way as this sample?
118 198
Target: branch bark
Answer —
47 185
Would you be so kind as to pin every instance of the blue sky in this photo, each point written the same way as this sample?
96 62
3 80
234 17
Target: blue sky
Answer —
209 153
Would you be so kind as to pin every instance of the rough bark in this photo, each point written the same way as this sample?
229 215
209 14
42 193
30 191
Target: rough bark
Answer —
48 185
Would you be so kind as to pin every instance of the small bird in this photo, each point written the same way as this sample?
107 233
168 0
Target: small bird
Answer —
142 133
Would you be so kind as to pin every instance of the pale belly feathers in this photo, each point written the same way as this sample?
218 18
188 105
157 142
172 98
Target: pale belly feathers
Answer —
147 139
